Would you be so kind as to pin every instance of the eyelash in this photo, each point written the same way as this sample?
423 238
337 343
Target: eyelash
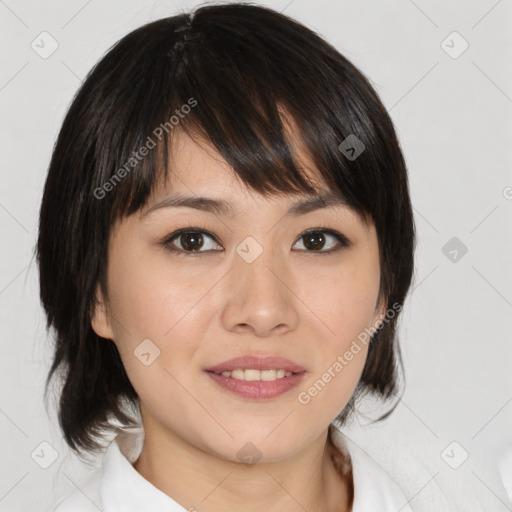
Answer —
167 242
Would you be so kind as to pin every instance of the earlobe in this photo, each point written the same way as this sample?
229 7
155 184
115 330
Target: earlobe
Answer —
100 321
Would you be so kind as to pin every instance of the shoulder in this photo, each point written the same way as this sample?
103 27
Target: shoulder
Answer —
85 498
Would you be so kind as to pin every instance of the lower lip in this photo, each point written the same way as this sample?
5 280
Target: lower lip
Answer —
258 389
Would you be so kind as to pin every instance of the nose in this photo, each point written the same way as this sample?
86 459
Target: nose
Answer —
261 298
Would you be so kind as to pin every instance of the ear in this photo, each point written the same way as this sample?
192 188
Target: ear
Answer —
100 320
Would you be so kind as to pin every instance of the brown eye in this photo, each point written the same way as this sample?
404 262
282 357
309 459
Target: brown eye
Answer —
317 240
196 241
314 240
190 241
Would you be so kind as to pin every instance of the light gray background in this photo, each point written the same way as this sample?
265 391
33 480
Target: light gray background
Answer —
453 117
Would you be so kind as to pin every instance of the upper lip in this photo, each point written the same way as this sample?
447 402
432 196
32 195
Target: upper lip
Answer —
257 363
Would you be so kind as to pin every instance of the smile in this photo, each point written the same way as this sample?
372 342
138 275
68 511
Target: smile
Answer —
251 384
254 375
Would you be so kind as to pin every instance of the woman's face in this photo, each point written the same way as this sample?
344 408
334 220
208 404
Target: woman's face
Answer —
257 287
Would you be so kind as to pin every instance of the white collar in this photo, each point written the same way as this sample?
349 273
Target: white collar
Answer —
122 488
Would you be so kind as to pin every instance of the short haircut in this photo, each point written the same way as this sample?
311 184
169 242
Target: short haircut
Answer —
228 72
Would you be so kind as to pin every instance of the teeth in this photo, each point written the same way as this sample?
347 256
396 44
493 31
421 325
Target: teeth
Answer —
252 375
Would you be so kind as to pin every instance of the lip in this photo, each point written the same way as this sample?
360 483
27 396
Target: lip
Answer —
262 390
257 363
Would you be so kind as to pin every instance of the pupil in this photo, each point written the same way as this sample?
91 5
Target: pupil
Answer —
191 239
309 240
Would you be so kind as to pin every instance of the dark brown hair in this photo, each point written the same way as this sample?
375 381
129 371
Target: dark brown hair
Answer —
238 67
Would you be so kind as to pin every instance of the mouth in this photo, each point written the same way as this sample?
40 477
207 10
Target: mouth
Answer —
252 374
250 367
257 377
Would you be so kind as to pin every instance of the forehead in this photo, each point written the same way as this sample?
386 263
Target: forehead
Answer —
202 180
197 168
200 177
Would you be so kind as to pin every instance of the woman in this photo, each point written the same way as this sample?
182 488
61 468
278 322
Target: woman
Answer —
226 239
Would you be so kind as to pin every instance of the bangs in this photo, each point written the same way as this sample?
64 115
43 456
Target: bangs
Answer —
229 86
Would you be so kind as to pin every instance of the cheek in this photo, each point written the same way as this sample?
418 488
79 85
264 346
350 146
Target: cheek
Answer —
151 304
153 301
345 300
150 297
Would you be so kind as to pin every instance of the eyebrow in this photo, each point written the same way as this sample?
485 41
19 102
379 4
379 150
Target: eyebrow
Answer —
220 207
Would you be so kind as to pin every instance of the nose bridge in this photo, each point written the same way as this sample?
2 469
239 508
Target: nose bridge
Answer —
261 297
255 270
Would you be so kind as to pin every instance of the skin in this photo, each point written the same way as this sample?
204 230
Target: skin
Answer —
203 308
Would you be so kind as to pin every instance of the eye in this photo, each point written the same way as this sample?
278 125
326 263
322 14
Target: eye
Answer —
192 240
316 239
189 240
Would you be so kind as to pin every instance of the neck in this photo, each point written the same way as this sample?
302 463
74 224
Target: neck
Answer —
315 479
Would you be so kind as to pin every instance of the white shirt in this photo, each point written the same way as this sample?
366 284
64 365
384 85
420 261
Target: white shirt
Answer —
505 469
116 486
